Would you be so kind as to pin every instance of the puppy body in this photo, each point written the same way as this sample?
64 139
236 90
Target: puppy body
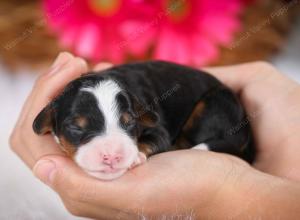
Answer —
109 121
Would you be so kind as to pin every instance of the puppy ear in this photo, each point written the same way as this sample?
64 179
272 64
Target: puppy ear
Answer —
42 124
144 113
149 119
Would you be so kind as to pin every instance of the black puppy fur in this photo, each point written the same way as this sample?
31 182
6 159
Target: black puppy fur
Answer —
166 107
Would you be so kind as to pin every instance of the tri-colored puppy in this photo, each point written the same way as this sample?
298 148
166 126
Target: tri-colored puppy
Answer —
112 120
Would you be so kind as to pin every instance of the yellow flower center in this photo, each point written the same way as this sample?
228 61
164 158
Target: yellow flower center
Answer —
177 10
105 8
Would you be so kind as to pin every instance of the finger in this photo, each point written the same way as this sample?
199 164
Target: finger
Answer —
102 66
70 182
17 139
49 87
45 89
62 59
67 179
237 77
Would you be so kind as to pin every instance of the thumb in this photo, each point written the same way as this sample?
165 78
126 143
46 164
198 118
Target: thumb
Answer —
71 183
49 168
44 169
62 174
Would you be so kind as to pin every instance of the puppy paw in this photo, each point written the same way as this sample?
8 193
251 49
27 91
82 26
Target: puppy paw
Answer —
141 158
201 146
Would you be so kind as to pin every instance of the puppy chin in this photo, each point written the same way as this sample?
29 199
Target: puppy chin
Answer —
114 174
106 176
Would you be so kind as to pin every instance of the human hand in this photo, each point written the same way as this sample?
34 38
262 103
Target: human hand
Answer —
23 140
272 104
134 194
146 190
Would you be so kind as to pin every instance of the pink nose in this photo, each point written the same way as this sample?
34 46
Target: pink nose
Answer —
109 159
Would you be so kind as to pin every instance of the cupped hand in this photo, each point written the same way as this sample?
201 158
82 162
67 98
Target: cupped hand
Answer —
189 182
272 102
181 183
23 140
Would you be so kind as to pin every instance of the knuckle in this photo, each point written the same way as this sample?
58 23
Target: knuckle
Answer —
13 140
16 138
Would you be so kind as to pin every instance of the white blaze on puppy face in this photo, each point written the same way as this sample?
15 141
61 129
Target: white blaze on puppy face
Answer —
110 154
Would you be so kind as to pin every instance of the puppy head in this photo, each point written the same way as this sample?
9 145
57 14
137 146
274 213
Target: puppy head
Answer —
98 124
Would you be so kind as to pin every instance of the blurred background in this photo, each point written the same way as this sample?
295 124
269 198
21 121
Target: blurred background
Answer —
192 32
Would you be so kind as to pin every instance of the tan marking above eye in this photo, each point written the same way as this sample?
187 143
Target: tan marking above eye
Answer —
81 121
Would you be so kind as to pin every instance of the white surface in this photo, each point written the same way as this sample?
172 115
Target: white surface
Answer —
288 61
25 198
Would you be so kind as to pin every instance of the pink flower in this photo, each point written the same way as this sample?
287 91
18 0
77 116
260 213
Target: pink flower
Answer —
89 27
183 31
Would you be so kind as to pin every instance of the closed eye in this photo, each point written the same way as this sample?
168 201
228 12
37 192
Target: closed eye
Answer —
74 130
73 127
86 138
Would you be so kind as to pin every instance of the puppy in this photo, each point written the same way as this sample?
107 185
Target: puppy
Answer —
111 121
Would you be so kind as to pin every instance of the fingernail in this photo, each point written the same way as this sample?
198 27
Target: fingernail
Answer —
44 170
61 59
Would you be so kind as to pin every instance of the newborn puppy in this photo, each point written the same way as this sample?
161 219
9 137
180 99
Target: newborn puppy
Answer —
111 121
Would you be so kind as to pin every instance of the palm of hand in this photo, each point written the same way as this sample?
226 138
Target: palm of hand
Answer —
164 182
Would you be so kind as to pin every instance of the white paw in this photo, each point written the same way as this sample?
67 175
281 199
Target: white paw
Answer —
141 158
201 146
